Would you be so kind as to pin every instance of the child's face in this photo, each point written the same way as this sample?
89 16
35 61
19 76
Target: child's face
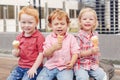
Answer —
28 23
59 26
87 21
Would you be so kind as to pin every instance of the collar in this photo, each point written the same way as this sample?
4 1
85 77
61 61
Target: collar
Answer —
85 34
33 35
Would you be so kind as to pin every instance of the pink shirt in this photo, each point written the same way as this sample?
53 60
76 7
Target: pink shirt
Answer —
89 62
30 48
62 56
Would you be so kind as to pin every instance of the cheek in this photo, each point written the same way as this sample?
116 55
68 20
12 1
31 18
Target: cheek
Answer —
22 27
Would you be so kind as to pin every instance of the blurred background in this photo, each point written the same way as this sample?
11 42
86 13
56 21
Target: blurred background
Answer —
108 12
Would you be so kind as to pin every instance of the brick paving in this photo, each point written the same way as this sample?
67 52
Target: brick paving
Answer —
7 62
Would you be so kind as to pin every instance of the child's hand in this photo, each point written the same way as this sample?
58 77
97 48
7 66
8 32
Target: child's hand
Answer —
15 52
57 46
32 72
69 65
95 50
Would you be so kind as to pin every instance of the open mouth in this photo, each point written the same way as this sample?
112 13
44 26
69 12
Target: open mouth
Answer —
87 24
59 31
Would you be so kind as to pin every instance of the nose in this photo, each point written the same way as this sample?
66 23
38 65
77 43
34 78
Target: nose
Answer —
26 24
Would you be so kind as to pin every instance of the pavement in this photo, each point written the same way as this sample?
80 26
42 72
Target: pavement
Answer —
7 62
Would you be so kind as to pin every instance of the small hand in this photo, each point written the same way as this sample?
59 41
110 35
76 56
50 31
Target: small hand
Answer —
15 52
31 72
57 46
95 50
69 65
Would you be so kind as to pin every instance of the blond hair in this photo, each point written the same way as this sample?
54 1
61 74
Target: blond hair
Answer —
30 11
87 9
59 14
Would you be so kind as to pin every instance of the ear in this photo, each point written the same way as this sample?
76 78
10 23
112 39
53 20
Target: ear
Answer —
50 25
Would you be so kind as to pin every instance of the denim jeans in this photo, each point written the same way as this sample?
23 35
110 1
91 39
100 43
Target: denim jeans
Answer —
47 74
21 74
83 74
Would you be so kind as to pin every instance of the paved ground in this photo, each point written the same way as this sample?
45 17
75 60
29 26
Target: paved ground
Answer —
7 62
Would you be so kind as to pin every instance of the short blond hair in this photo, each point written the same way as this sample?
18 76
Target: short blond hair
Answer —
59 14
30 11
88 9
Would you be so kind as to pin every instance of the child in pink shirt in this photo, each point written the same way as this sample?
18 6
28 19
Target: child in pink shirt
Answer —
60 48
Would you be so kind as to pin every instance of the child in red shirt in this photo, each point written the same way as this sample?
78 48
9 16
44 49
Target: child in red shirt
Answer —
30 46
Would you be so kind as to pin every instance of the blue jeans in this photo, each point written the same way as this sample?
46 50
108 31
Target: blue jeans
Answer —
47 74
83 74
21 74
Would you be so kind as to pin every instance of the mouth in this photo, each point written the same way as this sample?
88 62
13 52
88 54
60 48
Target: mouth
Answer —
87 24
59 31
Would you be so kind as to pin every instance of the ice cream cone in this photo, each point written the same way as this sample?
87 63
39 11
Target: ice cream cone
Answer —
15 44
60 38
95 41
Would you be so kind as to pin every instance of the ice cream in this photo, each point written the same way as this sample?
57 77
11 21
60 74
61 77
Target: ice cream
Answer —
15 44
95 41
60 38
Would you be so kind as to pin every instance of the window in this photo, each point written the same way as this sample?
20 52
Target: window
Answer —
10 10
72 13
1 11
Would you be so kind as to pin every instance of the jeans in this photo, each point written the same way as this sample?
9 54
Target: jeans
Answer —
47 74
83 74
21 74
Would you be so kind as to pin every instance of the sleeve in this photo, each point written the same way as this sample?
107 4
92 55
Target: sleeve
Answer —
79 41
47 43
40 42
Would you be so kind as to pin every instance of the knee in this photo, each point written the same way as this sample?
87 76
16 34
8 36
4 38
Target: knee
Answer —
101 76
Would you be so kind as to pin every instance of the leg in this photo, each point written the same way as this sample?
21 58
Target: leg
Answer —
98 74
47 74
65 75
16 74
81 74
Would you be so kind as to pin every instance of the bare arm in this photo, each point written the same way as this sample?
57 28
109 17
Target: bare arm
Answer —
72 62
50 51
33 70
84 53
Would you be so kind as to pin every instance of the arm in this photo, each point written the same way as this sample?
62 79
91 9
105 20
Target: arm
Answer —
92 51
33 70
72 62
50 51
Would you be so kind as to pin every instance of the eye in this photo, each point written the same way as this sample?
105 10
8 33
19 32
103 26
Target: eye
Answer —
84 18
62 23
30 22
91 18
23 22
55 24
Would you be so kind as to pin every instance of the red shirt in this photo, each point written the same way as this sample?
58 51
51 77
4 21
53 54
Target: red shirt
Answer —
30 48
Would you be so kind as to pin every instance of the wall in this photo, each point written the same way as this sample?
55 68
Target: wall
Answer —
109 44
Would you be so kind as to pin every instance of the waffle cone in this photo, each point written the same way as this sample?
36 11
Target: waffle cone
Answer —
94 40
60 38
